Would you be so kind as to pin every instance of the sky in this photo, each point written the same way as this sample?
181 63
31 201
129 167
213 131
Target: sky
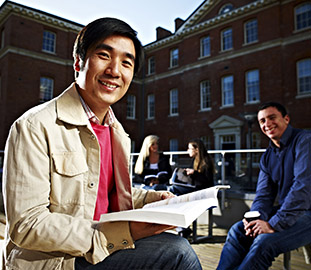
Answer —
143 15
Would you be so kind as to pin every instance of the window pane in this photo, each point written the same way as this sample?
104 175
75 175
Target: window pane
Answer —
304 76
205 46
227 91
48 44
227 39
205 95
130 108
174 102
151 106
151 65
174 57
303 16
252 86
46 89
251 34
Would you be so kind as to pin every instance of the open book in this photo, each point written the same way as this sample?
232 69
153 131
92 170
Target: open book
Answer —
177 211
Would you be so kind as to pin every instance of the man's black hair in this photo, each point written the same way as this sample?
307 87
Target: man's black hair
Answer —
102 28
276 105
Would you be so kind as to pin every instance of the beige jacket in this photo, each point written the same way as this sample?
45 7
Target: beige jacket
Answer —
51 175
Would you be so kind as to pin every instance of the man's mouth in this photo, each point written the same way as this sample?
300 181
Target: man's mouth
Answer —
270 129
109 85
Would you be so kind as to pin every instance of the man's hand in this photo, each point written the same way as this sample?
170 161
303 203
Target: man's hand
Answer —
142 229
257 227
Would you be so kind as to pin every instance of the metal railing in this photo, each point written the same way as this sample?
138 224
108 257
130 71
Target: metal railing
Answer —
220 162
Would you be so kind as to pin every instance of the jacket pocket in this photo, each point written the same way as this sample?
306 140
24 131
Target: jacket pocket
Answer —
69 163
21 259
68 175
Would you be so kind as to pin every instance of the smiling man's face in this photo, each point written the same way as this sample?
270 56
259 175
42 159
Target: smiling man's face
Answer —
107 72
273 124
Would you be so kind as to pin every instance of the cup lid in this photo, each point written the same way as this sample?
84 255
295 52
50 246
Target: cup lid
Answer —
252 214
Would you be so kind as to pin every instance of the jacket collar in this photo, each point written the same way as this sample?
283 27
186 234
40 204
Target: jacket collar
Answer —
69 108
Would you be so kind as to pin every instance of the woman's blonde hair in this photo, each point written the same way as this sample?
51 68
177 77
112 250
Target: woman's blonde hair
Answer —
144 152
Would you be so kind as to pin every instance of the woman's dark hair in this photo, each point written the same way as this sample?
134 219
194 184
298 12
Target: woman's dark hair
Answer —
203 159
276 105
102 28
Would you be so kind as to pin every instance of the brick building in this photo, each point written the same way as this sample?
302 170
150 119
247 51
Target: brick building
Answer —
207 78
204 80
36 61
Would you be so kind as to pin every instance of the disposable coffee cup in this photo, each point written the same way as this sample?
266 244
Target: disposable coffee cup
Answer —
251 215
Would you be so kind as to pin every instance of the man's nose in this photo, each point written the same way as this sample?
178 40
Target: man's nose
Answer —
113 68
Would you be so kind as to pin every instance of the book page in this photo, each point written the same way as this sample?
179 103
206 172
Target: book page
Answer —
196 195
181 215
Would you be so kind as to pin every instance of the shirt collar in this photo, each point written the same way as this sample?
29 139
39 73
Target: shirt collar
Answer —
109 119
285 137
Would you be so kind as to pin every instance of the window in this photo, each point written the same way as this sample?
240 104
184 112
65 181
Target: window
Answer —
256 145
304 76
225 9
48 44
130 107
151 107
227 90
252 86
174 58
205 46
226 39
205 93
173 145
46 89
303 16
2 38
174 102
207 142
251 32
151 65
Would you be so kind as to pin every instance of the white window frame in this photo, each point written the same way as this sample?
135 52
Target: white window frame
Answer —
131 107
227 39
49 42
251 31
205 95
151 106
205 46
174 57
227 90
303 16
252 86
46 89
174 102
304 76
151 65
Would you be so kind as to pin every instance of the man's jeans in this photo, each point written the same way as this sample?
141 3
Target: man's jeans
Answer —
163 251
245 253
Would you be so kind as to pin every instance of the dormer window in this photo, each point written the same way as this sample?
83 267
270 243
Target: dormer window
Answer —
225 9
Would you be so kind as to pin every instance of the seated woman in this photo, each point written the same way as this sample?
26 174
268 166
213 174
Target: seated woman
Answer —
202 171
152 166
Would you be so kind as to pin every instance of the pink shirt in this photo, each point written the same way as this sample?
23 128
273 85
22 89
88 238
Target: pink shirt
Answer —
106 178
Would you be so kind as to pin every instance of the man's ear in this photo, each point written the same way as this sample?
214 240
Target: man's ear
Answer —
77 64
287 119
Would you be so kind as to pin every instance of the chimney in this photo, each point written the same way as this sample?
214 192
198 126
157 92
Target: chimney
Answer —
178 23
162 33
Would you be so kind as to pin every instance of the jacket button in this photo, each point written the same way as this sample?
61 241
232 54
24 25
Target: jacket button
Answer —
110 246
91 184
125 242
93 137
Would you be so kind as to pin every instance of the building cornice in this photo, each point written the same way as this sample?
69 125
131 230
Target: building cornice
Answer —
10 7
190 28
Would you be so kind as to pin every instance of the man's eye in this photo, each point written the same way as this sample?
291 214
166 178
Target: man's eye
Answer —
103 54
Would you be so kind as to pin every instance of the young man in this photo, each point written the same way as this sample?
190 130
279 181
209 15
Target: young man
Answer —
285 176
67 162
